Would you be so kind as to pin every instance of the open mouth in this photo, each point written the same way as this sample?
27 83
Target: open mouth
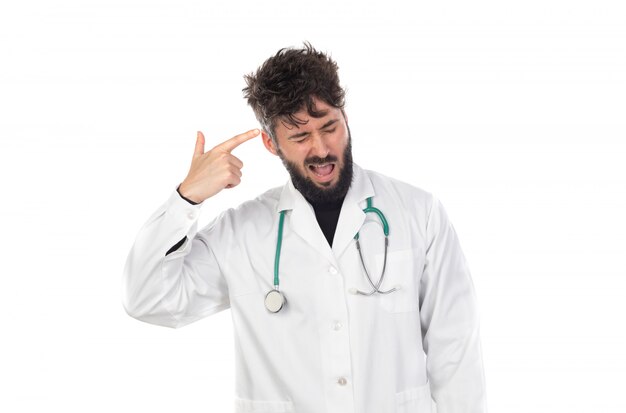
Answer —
322 170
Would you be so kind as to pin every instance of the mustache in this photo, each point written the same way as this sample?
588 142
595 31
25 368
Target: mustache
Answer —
316 160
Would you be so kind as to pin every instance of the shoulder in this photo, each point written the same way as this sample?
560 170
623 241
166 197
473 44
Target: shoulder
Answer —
399 190
257 212
424 205
261 207
410 203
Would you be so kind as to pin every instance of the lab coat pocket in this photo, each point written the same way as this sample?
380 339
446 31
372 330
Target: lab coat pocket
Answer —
403 271
415 400
263 406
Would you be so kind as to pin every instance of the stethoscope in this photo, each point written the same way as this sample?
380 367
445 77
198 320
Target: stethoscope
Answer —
275 299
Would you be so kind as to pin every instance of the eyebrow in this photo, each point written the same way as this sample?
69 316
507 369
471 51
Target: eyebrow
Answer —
299 135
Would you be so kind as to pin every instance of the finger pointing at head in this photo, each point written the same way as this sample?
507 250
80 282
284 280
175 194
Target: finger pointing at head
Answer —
235 141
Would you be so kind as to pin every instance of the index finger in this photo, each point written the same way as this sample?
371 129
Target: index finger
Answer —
235 141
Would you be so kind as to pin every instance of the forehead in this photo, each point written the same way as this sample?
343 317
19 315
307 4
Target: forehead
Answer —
305 121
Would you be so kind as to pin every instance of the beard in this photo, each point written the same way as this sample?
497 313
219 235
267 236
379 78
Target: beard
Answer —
311 191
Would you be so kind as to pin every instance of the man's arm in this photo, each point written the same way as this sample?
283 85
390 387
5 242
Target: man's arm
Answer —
179 243
171 276
173 288
450 321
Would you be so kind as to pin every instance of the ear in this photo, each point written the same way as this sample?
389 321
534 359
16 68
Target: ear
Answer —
345 117
268 142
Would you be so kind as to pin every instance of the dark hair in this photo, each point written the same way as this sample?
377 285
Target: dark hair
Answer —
288 81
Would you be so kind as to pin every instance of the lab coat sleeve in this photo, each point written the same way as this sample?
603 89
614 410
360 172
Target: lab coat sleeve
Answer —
181 287
450 321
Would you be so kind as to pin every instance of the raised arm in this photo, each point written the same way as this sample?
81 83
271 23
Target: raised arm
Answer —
171 276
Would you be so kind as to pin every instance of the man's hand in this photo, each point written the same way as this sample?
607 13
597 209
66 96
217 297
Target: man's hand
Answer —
214 170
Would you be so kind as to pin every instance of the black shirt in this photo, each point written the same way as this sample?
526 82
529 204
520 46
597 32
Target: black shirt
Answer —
327 215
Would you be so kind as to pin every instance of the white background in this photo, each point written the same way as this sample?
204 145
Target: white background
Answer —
512 113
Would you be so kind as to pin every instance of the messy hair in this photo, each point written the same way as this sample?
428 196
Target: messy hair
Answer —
288 81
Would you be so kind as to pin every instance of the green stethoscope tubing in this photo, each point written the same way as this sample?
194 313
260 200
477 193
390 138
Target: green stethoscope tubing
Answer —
378 212
279 243
368 209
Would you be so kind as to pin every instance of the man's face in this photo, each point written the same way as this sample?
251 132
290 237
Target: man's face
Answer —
317 154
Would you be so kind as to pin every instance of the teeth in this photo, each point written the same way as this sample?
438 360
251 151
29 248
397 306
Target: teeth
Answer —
322 170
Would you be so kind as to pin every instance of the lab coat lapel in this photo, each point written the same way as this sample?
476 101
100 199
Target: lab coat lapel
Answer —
301 220
352 216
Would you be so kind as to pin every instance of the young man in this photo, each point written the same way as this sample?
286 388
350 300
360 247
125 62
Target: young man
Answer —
349 291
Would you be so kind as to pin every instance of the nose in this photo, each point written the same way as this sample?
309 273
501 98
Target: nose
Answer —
319 147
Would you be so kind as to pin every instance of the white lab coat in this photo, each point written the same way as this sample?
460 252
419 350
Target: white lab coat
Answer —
328 350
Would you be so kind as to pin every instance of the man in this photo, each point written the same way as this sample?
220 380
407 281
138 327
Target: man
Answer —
330 314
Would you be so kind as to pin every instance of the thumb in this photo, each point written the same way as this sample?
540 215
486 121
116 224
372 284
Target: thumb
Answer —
199 150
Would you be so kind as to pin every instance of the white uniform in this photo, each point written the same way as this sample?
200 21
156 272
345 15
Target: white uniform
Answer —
328 350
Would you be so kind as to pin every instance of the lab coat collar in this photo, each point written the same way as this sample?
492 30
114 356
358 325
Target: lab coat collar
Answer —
302 216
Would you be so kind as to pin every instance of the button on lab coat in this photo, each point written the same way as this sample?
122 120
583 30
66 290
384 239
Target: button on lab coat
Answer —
328 350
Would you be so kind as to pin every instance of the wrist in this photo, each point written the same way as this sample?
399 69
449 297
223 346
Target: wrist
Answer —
185 198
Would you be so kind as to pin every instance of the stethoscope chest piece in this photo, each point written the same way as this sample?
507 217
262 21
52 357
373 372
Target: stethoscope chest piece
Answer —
274 301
